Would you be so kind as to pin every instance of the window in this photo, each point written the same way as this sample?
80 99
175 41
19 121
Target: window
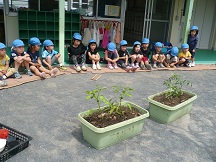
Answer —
105 8
84 7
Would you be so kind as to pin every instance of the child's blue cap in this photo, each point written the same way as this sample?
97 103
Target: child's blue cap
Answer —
77 36
185 45
17 43
123 43
194 28
91 41
111 46
158 44
174 51
145 41
48 43
34 41
2 45
137 43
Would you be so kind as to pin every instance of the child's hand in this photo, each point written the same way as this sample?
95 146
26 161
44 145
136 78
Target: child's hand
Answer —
3 71
193 50
50 67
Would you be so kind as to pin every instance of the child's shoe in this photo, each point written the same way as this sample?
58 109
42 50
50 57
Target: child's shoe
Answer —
188 65
149 67
161 65
17 75
142 66
192 64
128 68
83 67
62 68
110 66
54 72
137 65
43 75
154 66
28 72
115 66
98 66
3 83
77 68
94 67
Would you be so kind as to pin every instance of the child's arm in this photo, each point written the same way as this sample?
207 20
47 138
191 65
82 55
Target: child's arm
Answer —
116 59
106 57
26 57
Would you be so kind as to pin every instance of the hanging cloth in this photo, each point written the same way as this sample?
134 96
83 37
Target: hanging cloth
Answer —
97 35
113 34
94 31
118 34
105 40
102 31
86 36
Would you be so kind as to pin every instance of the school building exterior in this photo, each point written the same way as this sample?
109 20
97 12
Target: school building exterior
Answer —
159 20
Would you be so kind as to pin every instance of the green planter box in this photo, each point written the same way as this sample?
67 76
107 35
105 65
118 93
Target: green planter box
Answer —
104 137
167 114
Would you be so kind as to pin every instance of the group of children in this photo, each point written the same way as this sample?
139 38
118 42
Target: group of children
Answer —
31 62
137 58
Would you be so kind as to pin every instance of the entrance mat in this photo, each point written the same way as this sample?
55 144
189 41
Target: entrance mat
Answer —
12 82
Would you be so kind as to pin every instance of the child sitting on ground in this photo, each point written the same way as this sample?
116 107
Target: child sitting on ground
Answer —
111 56
146 52
157 56
136 55
192 42
123 56
19 58
184 56
76 53
35 65
50 56
171 58
5 71
93 55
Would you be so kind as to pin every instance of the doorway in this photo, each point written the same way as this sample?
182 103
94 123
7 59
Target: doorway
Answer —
2 28
147 18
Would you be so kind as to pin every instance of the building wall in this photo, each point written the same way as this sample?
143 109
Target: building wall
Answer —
11 29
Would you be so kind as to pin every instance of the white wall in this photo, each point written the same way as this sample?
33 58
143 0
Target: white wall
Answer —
11 29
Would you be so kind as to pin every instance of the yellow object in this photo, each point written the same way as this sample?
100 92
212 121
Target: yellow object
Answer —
3 62
184 55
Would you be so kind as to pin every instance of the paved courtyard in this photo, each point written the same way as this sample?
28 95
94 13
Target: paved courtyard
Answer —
47 111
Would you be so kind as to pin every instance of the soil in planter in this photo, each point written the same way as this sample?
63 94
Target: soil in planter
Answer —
104 118
175 101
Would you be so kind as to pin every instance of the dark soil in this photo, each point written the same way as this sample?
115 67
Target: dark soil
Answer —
173 102
104 118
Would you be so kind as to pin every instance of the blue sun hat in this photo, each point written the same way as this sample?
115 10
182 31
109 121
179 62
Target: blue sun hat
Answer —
145 41
185 45
158 44
77 36
111 46
174 51
123 43
48 43
34 41
2 45
17 43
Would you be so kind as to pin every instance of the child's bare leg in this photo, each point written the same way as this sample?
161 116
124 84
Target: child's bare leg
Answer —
155 58
26 64
35 70
126 60
48 60
182 61
16 65
43 69
133 58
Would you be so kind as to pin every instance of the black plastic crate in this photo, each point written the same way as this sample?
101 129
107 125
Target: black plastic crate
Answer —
20 137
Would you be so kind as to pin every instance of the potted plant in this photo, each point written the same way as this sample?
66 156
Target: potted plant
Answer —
117 121
173 103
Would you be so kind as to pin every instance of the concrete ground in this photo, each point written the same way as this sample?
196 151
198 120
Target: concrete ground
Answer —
47 110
